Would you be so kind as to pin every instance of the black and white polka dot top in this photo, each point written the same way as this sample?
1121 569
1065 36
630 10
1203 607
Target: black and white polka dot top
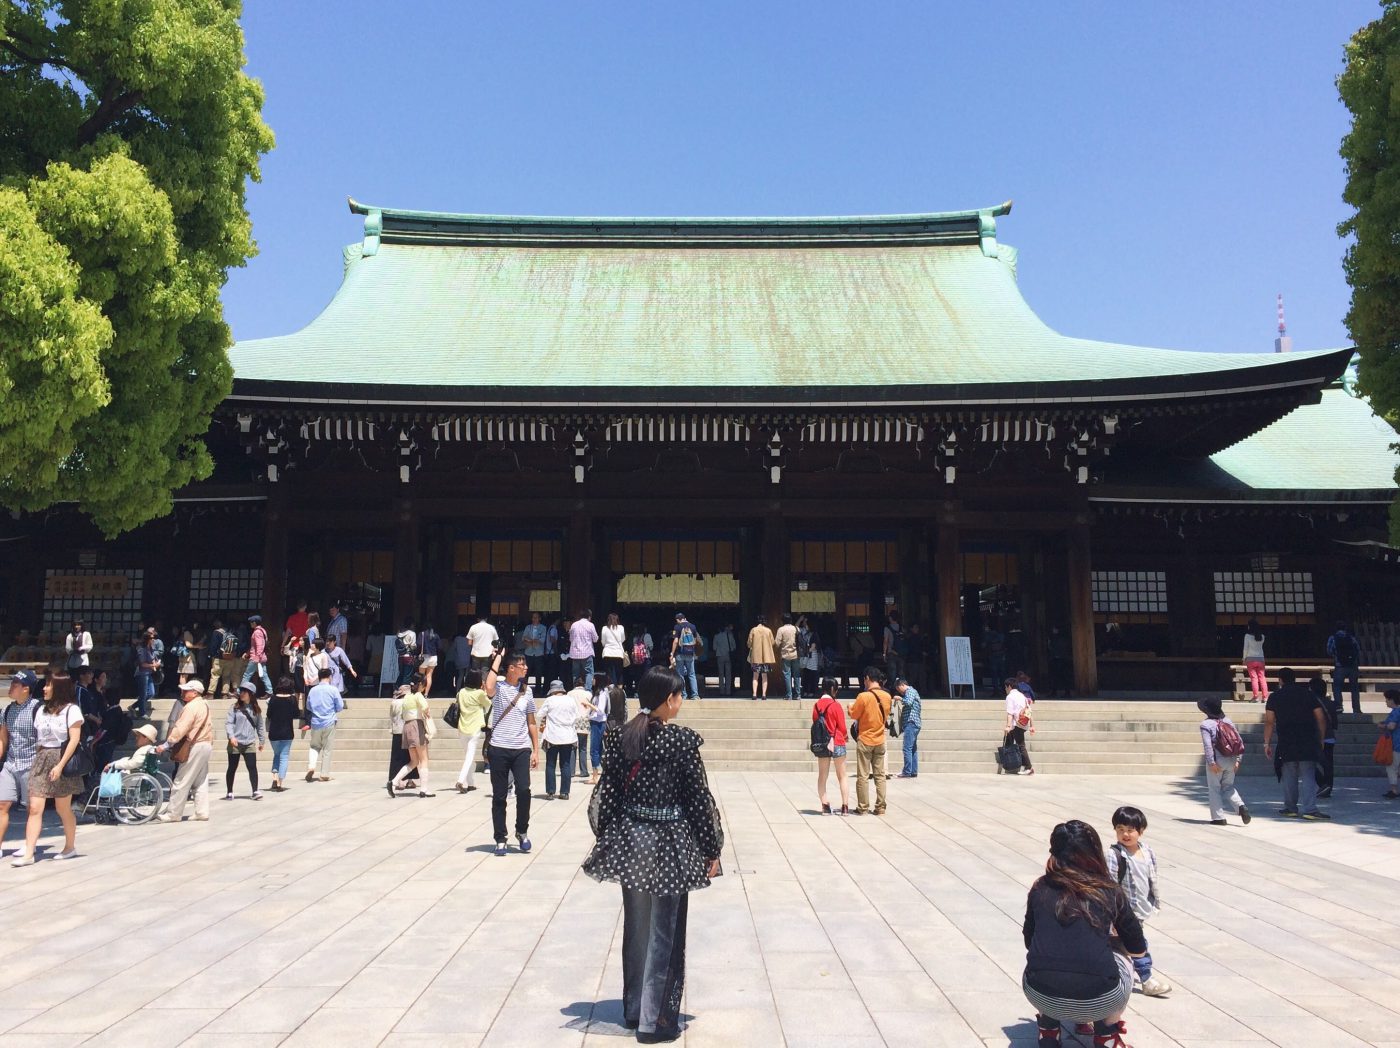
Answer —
657 824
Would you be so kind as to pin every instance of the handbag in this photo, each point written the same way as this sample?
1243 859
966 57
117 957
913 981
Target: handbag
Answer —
429 728
453 716
110 785
84 760
180 752
1384 752
626 659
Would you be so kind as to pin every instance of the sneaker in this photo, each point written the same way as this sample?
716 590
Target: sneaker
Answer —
524 844
1317 816
424 793
1326 791
1154 986
165 816
549 796
469 789
1288 814
563 796
257 795
460 788
845 809
500 848
201 818
1390 795
906 775
826 809
1218 822
1244 815
228 796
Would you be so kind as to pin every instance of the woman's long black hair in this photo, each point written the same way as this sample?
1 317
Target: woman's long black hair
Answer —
657 685
1078 871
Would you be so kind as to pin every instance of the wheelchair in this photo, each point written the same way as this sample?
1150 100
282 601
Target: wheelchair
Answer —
143 796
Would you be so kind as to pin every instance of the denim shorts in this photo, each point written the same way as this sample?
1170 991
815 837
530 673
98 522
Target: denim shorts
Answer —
838 751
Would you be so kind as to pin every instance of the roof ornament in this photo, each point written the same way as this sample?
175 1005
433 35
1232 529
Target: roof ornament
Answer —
987 227
374 228
1282 344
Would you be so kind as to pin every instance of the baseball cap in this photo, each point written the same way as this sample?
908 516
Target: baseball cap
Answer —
196 686
556 687
680 615
28 678
255 618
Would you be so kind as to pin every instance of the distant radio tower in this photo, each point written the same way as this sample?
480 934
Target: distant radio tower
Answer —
1282 344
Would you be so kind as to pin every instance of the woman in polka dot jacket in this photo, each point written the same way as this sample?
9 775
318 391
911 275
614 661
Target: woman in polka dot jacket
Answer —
659 836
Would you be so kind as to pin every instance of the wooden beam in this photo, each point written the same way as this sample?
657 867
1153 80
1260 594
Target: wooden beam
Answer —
276 534
406 555
948 567
1081 611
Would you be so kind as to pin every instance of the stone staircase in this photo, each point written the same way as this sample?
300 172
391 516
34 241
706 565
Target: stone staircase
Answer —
1073 736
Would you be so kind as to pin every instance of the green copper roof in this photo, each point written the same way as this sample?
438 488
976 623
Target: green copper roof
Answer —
1339 444
455 305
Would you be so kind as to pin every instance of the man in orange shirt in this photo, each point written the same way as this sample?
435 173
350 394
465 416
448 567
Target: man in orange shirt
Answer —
870 711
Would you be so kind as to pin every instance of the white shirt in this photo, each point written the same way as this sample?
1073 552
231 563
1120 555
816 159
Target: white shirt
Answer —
481 637
1015 703
601 702
51 729
613 638
1253 649
80 649
558 713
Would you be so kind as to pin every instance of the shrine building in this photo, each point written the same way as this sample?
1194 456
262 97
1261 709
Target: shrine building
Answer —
735 417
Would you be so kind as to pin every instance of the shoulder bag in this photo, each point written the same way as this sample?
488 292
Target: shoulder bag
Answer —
180 752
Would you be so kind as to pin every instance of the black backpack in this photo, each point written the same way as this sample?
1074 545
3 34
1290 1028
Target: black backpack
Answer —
821 735
1347 652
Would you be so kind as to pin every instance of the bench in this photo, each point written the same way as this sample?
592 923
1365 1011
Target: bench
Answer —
1374 679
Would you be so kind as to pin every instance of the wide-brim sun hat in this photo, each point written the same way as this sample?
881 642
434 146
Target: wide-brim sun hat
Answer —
147 732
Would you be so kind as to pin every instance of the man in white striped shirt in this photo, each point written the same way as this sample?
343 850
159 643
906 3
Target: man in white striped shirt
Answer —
514 749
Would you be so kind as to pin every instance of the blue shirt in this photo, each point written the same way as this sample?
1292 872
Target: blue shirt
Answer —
533 638
1393 719
322 705
912 703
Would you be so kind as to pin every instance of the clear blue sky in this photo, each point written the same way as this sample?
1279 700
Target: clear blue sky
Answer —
1172 169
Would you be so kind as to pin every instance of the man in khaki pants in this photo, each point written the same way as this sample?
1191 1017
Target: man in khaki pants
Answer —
869 712
196 723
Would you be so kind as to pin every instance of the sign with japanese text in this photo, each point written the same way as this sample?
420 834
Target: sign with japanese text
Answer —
87 587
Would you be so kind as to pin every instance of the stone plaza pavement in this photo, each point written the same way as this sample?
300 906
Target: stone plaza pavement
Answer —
333 916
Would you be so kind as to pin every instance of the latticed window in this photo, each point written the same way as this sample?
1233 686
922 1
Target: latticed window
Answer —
106 599
1129 596
1283 597
226 589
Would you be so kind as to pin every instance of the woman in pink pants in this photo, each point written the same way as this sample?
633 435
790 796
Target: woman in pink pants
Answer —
1254 661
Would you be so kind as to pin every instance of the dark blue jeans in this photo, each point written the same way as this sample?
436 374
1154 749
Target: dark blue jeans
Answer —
911 749
1342 675
563 756
1142 966
595 742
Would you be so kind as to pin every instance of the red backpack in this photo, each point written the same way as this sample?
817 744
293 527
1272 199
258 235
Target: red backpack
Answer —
1227 740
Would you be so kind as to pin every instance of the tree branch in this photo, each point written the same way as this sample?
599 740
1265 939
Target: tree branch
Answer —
111 106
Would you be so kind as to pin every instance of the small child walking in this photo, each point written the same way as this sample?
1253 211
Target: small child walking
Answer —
1389 725
1132 864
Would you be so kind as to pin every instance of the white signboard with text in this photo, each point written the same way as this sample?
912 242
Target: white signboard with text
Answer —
959 662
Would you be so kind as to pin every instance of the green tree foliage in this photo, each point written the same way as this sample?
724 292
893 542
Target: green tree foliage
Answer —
128 132
1370 89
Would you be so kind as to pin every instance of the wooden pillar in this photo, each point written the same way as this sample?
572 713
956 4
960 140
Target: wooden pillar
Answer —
948 568
578 564
1081 610
406 555
776 588
274 594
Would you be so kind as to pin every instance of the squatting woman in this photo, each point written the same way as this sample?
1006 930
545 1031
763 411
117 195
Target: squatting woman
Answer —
659 836
1073 973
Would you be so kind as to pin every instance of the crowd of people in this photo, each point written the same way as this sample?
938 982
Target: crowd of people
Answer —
657 827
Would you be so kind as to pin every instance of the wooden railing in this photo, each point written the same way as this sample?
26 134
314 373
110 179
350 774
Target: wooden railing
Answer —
1372 678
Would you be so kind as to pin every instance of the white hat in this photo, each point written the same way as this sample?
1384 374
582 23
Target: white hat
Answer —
148 731
196 686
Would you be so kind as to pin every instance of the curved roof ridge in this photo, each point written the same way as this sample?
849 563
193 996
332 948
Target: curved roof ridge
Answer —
472 218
